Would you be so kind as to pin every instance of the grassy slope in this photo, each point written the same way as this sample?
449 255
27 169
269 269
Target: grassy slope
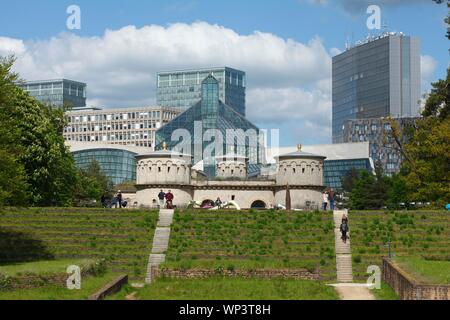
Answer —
41 267
123 237
245 240
232 289
89 286
432 272
425 234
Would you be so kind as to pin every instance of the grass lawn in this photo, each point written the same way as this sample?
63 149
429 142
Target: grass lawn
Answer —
385 293
41 267
426 271
219 288
89 286
253 240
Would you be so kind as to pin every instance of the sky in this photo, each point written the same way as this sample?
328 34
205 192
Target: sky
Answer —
284 46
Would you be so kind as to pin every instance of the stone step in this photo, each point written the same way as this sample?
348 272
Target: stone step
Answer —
161 240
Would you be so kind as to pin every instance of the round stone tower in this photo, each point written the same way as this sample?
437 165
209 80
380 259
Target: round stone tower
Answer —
163 170
231 166
303 172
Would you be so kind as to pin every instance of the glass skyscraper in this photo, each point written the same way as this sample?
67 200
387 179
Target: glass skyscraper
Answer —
378 78
57 92
211 115
182 89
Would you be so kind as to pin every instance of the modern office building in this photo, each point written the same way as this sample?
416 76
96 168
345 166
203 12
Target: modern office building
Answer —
182 89
377 78
57 92
340 160
117 162
376 132
210 115
126 126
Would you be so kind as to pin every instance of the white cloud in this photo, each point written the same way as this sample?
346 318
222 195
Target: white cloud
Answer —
120 66
428 66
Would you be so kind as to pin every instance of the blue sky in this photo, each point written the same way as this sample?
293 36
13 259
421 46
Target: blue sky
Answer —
29 27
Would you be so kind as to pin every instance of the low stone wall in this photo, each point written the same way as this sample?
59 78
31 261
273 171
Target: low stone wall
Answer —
111 288
265 274
408 288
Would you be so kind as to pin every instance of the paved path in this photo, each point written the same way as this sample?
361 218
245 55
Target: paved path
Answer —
160 242
353 291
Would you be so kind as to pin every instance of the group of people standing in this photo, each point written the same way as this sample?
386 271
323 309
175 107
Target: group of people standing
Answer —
116 202
328 197
166 199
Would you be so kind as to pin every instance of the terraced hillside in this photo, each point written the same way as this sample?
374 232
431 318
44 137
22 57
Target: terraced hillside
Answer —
253 240
124 237
424 234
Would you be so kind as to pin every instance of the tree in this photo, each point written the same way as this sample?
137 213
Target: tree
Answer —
438 102
92 183
348 181
37 143
427 173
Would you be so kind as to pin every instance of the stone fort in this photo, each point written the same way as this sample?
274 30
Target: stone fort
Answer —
299 172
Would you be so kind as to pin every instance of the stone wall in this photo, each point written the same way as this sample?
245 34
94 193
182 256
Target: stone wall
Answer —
265 274
300 172
408 288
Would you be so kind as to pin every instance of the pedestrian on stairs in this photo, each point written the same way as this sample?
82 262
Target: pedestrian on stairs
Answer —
169 200
325 200
344 219
344 230
161 197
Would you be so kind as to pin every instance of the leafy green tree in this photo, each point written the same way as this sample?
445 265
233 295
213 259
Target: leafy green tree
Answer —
93 183
438 102
37 141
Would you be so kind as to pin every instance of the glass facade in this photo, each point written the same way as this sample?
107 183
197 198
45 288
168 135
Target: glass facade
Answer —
57 92
335 170
376 79
183 89
118 165
211 113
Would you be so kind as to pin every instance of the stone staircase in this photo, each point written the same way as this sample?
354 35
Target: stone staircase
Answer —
343 252
160 242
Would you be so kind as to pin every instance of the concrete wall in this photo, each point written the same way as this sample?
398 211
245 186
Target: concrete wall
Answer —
163 171
300 172
299 197
230 169
149 197
244 198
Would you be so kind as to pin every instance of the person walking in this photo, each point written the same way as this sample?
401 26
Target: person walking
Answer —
325 201
344 230
103 201
119 199
331 198
344 219
161 197
169 199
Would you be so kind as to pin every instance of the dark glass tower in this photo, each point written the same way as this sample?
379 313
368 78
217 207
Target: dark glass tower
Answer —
376 79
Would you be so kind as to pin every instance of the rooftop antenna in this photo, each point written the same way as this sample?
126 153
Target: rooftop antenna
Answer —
385 27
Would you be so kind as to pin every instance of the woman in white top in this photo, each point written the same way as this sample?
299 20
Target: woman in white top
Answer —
325 200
